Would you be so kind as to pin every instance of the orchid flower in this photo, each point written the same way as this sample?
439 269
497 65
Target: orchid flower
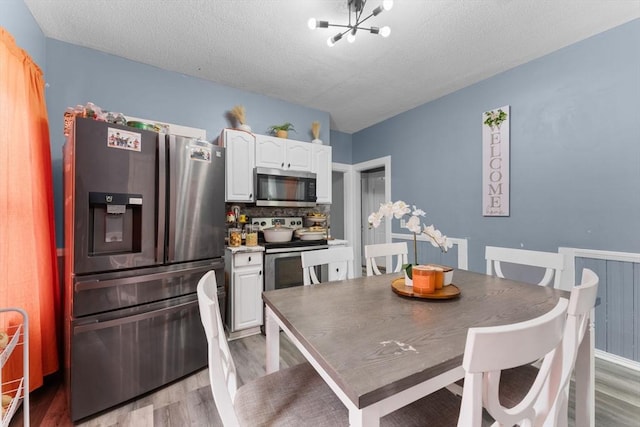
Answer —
398 210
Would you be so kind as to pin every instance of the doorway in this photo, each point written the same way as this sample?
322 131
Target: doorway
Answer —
372 195
352 211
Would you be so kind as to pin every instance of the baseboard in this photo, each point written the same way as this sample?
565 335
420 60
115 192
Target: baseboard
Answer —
242 333
618 360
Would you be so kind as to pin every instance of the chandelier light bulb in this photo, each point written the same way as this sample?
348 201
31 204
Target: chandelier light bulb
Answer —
356 22
351 37
312 23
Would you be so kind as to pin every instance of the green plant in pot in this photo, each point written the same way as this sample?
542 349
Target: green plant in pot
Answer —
282 130
399 210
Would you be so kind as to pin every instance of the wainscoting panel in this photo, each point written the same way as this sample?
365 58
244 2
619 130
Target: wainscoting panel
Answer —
617 316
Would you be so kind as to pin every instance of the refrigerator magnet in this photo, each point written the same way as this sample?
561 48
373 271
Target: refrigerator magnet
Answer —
124 140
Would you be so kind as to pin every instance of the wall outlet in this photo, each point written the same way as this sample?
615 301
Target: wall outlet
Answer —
403 223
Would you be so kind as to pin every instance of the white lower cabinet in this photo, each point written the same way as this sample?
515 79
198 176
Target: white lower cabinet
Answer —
244 291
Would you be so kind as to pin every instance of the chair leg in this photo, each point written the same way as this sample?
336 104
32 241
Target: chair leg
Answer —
455 389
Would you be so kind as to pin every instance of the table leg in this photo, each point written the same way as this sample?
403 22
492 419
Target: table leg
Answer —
272 331
585 378
364 418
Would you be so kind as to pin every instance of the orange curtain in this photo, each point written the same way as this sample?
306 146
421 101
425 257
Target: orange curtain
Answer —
28 267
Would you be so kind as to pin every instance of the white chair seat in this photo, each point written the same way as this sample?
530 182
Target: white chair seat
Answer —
290 397
298 396
398 250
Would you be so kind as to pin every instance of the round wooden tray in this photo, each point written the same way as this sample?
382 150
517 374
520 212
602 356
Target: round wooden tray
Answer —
447 292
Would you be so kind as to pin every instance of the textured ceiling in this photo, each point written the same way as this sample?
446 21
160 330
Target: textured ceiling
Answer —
265 46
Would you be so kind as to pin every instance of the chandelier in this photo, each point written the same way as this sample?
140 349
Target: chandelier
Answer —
356 7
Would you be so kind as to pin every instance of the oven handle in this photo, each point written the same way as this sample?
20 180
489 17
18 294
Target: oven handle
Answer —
295 249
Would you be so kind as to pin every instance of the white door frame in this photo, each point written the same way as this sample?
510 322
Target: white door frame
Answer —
353 192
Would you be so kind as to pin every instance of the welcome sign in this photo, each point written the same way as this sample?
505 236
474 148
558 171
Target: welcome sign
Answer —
495 162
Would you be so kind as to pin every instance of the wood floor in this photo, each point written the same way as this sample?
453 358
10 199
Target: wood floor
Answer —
188 402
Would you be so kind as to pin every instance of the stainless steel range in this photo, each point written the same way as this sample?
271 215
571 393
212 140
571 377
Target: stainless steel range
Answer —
282 261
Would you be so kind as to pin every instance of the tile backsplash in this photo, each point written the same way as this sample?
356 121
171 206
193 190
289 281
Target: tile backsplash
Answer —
253 211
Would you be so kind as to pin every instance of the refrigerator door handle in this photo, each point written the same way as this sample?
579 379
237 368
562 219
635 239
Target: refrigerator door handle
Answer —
161 197
96 325
97 284
171 212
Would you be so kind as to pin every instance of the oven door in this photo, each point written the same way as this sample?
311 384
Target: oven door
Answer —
284 270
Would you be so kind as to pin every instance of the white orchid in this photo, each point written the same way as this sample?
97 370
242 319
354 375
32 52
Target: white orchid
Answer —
375 218
418 212
437 238
398 210
413 225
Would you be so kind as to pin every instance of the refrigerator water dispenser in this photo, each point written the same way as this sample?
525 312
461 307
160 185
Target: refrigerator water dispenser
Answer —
115 223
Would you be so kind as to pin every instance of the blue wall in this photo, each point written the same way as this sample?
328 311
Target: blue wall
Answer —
341 151
77 75
16 18
575 151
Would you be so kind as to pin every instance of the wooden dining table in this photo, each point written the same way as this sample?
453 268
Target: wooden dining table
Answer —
379 351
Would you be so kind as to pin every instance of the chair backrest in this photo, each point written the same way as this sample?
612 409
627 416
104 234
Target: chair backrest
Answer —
491 349
222 370
385 250
339 261
581 304
552 262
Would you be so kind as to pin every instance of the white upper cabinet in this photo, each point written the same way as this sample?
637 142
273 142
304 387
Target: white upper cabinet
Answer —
322 168
270 152
285 154
240 161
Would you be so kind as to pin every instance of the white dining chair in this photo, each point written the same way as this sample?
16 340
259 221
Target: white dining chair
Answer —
489 350
285 397
498 371
339 261
295 396
552 262
582 301
397 250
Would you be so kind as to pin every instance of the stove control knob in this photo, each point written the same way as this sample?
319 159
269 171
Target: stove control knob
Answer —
299 222
263 223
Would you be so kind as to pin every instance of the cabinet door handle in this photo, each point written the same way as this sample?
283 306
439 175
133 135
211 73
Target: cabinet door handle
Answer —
251 196
260 272
282 165
249 259
289 165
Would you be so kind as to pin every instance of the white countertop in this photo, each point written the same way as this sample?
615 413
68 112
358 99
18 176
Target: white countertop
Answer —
243 248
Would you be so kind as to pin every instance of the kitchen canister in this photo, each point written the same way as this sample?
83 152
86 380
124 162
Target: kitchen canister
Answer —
251 235
235 237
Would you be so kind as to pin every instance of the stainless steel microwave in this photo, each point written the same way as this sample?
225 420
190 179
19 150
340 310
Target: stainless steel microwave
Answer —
275 187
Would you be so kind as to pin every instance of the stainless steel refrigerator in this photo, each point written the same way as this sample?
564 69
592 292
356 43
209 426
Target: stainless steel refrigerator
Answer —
144 220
